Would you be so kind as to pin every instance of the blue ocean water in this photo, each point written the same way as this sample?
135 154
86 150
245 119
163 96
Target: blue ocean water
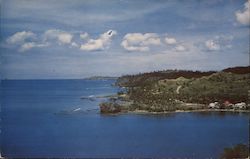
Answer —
47 118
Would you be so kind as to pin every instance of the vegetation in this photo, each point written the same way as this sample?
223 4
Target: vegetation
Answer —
110 107
170 90
143 79
238 70
238 151
219 87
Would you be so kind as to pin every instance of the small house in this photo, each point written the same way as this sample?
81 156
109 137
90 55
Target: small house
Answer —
241 105
228 105
214 105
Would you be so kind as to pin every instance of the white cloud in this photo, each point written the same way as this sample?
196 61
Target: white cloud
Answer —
20 37
129 47
212 45
101 43
139 41
170 41
175 45
243 17
180 48
84 36
74 44
30 45
65 38
62 37
27 40
219 43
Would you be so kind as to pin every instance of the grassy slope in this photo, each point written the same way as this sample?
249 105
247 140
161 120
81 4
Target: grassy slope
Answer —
216 87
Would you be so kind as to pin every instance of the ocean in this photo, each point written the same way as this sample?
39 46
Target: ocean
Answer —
48 118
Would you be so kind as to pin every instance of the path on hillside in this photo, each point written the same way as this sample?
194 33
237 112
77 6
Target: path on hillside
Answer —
178 89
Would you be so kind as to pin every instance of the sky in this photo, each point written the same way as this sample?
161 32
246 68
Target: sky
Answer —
67 39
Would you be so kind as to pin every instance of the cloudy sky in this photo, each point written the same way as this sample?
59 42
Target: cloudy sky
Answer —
82 38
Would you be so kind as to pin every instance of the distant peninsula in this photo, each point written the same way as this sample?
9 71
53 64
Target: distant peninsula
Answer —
180 91
101 78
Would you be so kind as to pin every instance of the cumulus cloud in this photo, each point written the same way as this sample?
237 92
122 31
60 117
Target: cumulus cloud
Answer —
175 45
170 41
84 36
101 43
27 40
212 45
180 48
74 44
139 41
21 37
62 37
29 45
243 16
219 43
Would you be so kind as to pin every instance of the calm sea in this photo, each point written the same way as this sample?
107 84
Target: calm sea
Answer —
47 118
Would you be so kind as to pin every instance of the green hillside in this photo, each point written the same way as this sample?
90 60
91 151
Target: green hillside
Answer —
171 90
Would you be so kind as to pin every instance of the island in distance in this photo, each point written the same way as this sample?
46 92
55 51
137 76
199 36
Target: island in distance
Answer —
101 78
180 91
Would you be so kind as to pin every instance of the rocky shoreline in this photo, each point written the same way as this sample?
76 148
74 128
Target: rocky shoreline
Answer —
121 107
120 104
190 111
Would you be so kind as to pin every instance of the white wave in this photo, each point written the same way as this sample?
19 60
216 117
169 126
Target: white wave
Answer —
77 109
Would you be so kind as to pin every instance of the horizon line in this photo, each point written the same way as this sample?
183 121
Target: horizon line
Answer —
86 78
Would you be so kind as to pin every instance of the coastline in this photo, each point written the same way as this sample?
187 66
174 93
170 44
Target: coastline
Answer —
145 112
161 93
122 107
188 111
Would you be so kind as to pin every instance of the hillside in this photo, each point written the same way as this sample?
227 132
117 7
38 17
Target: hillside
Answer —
147 78
170 90
238 70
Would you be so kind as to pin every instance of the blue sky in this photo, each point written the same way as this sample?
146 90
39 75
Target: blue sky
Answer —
43 39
